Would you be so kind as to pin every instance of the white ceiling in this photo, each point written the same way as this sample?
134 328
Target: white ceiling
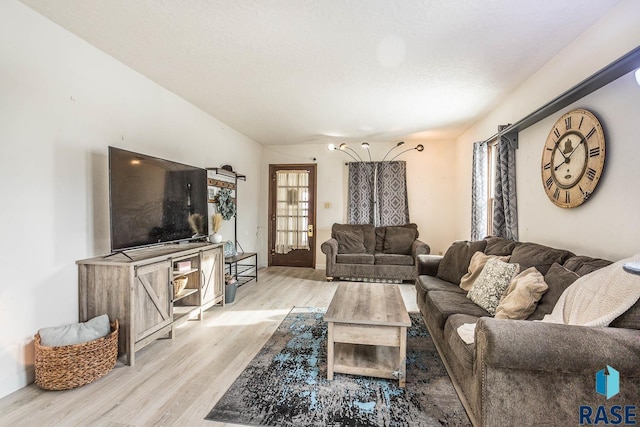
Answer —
296 71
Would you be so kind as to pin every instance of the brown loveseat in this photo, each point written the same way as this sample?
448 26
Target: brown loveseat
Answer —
363 251
521 372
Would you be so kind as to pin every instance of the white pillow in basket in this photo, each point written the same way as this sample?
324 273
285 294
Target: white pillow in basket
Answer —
75 333
492 283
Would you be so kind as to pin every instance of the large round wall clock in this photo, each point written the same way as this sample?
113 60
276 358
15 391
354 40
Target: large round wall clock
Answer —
573 158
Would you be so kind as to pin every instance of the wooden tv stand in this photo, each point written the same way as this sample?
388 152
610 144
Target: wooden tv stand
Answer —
137 289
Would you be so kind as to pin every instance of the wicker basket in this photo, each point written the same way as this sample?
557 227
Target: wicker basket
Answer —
179 283
70 366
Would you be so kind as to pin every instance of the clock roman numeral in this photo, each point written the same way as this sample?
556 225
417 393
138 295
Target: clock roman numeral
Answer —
591 174
591 132
556 194
556 132
593 152
567 122
549 183
547 166
580 124
567 197
585 195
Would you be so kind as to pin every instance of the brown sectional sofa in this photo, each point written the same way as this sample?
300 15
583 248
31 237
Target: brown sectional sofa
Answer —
363 251
522 372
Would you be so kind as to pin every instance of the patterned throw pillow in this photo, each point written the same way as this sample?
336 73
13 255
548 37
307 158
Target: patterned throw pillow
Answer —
478 261
492 283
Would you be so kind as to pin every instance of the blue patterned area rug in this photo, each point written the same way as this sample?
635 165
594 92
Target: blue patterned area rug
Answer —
286 384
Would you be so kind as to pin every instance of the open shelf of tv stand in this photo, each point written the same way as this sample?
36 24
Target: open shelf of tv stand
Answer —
177 273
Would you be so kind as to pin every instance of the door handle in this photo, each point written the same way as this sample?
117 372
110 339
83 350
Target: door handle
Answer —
310 230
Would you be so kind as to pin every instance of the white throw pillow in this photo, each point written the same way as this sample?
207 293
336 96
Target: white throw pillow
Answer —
522 296
492 283
75 333
478 261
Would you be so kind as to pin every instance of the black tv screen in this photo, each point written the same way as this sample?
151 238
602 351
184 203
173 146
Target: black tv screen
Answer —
151 199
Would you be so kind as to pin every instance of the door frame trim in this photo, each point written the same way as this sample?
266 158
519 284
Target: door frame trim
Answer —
271 208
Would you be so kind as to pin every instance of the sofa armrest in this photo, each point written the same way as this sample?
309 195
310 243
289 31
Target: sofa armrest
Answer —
537 346
419 248
428 264
330 248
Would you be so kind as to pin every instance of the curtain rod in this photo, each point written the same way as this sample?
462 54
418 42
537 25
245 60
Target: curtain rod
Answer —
606 75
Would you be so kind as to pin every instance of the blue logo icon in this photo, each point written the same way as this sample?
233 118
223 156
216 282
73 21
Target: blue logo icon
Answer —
608 382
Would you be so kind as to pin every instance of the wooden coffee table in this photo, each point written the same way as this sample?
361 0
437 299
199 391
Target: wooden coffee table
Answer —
367 331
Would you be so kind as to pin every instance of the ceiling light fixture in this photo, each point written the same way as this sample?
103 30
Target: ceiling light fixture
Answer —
418 148
344 147
365 145
392 148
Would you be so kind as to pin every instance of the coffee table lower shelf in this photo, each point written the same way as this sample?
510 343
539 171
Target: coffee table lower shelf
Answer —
368 360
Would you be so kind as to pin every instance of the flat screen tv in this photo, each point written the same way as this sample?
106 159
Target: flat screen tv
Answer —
151 199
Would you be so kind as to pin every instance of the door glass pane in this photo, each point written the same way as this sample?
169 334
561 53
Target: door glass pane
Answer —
292 210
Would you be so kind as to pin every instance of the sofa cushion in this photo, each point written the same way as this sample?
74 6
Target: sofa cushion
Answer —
380 233
455 262
432 283
582 265
478 260
393 259
350 242
462 351
522 296
398 240
355 259
441 304
368 234
492 283
558 279
499 246
538 256
630 319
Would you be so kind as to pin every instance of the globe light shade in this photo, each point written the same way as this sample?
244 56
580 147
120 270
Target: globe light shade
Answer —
343 146
420 147
331 147
365 145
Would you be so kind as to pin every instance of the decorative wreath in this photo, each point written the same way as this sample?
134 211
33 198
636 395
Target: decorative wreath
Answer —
226 205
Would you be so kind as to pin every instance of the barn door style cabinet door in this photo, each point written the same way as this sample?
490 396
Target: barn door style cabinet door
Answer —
152 309
211 262
138 290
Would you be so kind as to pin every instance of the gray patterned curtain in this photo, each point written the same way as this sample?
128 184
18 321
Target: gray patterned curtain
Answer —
479 191
505 209
377 193
360 205
392 201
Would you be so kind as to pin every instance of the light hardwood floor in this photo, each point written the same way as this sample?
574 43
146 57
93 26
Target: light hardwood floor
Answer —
177 382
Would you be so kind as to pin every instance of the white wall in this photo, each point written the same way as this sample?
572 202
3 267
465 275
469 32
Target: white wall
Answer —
604 226
607 224
430 178
62 102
